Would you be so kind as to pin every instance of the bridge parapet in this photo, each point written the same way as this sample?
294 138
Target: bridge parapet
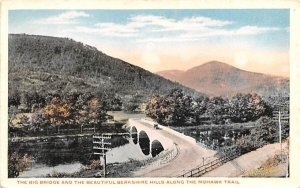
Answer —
181 135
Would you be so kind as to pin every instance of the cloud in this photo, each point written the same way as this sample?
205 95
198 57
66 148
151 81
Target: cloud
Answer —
254 30
139 24
107 29
146 20
167 24
64 18
206 32
151 28
205 21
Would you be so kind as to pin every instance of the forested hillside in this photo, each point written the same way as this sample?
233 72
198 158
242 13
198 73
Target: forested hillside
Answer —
53 65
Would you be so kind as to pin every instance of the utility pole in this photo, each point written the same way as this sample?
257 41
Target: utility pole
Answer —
101 146
279 124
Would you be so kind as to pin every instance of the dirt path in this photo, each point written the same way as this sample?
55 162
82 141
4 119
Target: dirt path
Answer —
251 160
189 156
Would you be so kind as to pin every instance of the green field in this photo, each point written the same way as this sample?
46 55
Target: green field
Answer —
123 116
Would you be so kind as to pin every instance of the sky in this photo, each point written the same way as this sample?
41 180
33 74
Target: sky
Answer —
251 39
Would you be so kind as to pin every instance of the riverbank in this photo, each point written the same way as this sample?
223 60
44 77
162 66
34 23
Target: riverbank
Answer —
114 170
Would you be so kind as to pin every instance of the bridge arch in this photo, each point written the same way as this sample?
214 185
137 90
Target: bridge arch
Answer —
144 142
134 134
156 148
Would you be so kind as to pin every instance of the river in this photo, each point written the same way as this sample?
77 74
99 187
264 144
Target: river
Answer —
70 157
116 155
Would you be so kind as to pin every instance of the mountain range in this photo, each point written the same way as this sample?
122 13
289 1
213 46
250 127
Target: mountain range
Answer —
216 78
45 64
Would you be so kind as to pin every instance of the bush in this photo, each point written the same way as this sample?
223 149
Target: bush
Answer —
18 163
95 165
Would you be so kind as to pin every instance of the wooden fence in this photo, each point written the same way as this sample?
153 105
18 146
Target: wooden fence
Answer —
197 172
63 130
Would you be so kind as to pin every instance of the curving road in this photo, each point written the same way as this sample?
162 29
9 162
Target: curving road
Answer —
190 155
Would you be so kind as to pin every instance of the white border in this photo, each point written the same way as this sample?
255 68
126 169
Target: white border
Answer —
294 6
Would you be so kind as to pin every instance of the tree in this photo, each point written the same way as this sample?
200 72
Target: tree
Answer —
29 100
248 107
96 112
199 107
173 109
265 132
218 109
131 105
155 108
81 107
13 97
89 110
12 111
112 103
58 112
38 121
179 108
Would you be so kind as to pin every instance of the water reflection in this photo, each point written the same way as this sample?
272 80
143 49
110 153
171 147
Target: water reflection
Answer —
125 153
40 170
58 162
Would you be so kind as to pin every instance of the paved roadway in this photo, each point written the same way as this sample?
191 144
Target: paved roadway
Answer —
190 156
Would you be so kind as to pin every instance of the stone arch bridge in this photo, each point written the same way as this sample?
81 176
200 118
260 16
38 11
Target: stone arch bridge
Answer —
149 138
182 153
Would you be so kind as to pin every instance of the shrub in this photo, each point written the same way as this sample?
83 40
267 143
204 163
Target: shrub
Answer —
95 165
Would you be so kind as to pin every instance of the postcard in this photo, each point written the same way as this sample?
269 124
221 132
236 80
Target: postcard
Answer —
148 93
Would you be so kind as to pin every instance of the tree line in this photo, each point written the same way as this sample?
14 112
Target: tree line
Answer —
178 109
30 101
61 110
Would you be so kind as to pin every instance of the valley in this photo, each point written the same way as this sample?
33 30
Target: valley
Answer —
61 93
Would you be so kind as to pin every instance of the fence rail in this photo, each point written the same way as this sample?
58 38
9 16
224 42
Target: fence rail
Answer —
197 172
169 156
163 157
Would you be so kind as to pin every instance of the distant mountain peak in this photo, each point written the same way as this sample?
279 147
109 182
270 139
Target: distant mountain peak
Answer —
214 65
219 78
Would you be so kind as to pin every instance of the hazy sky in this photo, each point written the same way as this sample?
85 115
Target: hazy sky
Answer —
251 39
